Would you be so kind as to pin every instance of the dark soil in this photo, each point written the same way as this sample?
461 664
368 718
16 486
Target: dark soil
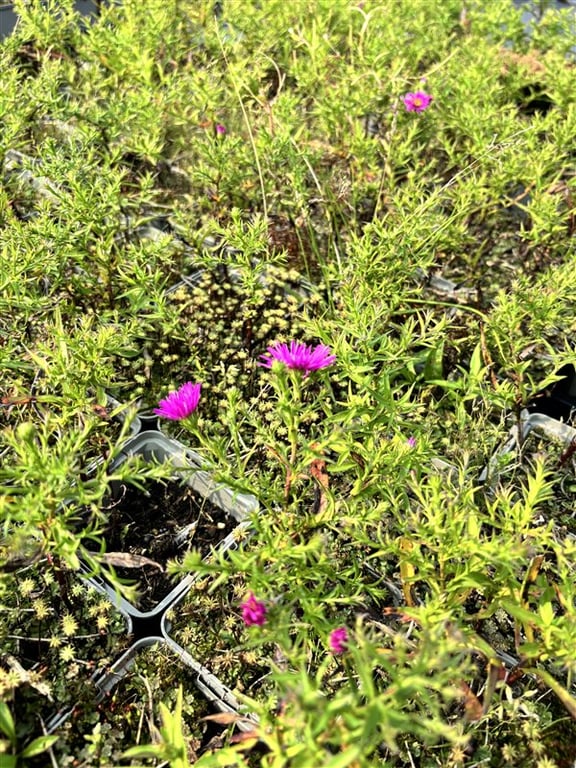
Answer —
148 525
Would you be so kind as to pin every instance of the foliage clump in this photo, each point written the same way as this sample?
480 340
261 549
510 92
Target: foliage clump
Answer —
405 200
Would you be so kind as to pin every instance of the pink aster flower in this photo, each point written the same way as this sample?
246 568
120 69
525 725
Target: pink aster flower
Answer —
417 101
298 356
338 640
220 129
181 403
411 442
253 611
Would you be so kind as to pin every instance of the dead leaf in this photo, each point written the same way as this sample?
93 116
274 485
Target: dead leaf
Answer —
101 412
26 677
472 707
246 736
223 718
530 63
319 472
17 400
126 560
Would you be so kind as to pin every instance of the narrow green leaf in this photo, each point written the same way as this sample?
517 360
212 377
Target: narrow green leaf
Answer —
7 723
39 745
520 613
476 362
149 750
566 699
433 367
9 761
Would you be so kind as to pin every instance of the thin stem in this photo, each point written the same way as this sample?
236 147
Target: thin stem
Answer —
248 127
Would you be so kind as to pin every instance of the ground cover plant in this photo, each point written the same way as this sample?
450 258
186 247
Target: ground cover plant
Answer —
58 635
152 677
369 207
206 624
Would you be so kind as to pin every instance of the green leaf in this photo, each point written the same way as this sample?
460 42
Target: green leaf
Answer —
433 368
9 761
39 745
226 757
149 750
546 611
476 362
7 723
567 700
520 613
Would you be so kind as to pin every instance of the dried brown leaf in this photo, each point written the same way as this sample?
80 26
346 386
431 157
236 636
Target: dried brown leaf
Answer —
127 560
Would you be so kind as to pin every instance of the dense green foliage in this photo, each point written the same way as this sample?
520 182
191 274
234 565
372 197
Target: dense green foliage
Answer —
268 146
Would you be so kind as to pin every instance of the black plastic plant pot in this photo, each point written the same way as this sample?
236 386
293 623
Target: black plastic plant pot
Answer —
9 17
558 401
87 7
106 683
533 10
145 530
24 173
101 686
121 414
537 439
302 291
443 287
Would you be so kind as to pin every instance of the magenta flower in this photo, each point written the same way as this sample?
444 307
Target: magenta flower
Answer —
298 356
220 129
411 442
338 640
253 611
417 101
181 403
